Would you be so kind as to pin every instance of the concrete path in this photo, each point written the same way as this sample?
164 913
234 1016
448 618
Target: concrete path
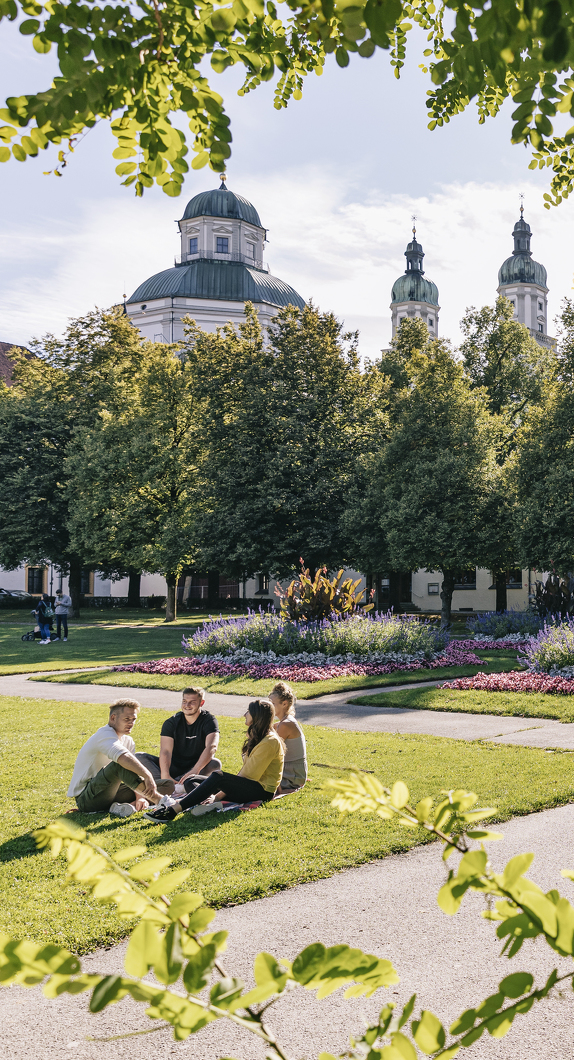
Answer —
388 908
333 711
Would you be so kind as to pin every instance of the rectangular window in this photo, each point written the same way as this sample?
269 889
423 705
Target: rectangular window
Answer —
87 582
193 245
36 580
431 322
433 588
541 327
465 579
222 245
541 307
251 251
262 585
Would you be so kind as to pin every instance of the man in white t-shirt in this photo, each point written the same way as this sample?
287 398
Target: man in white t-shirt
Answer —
107 775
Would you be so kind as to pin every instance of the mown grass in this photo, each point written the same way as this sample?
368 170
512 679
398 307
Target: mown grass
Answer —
102 641
233 857
517 704
493 662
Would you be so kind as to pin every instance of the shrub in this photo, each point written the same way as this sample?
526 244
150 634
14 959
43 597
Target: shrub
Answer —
311 599
552 649
554 597
358 634
500 623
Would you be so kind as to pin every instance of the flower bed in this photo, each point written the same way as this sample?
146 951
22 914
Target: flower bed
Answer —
510 643
516 681
298 670
360 635
497 624
552 650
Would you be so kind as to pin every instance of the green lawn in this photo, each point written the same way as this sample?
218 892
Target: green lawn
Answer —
233 857
493 662
99 639
518 704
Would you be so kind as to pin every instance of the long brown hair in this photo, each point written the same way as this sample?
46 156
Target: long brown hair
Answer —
262 716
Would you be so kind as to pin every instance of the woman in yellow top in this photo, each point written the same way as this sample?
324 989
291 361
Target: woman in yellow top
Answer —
259 777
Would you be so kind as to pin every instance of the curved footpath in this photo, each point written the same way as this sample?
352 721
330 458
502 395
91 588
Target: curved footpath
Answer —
333 711
388 908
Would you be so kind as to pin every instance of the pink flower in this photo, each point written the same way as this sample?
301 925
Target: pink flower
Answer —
516 681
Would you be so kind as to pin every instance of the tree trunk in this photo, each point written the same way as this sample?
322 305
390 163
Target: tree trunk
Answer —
75 585
501 592
134 587
213 589
446 598
171 602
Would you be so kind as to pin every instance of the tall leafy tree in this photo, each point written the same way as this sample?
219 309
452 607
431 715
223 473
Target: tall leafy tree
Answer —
133 474
56 395
426 489
502 358
287 414
138 65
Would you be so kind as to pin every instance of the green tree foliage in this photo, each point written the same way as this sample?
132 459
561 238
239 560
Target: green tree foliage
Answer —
132 476
500 356
137 66
55 396
422 498
288 413
193 988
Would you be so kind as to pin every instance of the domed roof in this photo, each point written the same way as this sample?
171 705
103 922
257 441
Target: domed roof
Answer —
522 269
414 287
220 202
229 281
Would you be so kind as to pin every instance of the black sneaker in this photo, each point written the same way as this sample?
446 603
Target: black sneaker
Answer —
161 814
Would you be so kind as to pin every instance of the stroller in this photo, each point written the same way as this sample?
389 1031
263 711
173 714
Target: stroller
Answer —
35 634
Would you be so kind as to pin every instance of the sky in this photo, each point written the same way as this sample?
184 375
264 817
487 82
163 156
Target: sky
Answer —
336 178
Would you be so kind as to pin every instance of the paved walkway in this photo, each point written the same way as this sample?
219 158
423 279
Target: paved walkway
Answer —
333 711
388 908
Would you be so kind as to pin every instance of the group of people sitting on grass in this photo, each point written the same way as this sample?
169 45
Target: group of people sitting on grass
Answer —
110 776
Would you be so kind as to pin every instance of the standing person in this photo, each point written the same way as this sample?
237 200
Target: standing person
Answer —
187 745
259 777
63 602
287 727
107 775
44 613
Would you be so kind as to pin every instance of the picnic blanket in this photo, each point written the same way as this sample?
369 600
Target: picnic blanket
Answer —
253 805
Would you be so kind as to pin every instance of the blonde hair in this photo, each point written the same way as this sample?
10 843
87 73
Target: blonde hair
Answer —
285 693
124 704
193 690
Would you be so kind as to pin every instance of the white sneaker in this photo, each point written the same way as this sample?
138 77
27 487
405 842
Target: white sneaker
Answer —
65 639
122 809
56 638
44 642
166 800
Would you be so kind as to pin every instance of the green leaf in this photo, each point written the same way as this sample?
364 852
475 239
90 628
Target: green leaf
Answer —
225 992
107 991
402 1048
399 794
342 57
183 904
423 809
145 870
41 44
168 883
515 868
168 957
142 949
428 1033
500 1025
29 25
487 837
199 920
171 188
200 160
125 167
516 985
198 969
129 853
223 20
4 154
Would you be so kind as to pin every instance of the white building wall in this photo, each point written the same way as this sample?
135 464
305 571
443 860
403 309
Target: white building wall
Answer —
161 320
483 598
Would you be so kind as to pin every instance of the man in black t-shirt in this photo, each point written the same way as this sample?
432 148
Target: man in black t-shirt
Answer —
188 743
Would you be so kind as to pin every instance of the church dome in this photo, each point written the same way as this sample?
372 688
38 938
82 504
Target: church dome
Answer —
220 202
521 268
414 287
229 281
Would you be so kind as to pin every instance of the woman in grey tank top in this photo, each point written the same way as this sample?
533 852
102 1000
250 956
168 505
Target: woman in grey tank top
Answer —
288 728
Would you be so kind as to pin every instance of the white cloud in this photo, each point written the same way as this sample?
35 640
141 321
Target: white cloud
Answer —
343 251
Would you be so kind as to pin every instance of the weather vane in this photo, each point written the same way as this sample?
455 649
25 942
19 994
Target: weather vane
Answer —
521 197
414 220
